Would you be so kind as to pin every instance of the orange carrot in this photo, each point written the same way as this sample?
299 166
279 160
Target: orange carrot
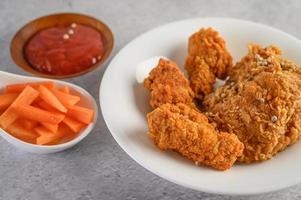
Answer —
36 101
26 123
45 106
45 140
16 88
66 99
42 131
21 133
46 136
67 132
26 97
64 89
51 99
7 99
51 127
74 125
37 114
81 114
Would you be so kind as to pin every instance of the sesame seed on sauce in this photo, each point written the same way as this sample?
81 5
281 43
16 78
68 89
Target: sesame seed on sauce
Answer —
66 36
98 57
274 118
94 60
73 25
70 32
223 95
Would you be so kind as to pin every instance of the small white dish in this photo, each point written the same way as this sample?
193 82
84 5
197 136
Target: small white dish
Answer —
86 100
124 104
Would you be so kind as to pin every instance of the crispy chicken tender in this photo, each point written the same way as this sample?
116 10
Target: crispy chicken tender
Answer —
207 58
167 84
187 131
260 103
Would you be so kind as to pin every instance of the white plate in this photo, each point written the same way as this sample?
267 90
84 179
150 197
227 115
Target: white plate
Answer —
124 104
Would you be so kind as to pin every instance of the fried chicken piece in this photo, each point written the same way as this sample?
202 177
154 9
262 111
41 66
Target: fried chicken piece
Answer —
261 104
207 58
250 64
201 78
187 131
167 84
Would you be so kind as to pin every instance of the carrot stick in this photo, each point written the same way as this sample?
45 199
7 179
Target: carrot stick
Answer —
81 114
51 99
66 99
46 136
67 132
46 106
37 114
64 89
45 140
26 123
16 88
51 127
21 133
26 97
42 131
36 101
74 125
7 99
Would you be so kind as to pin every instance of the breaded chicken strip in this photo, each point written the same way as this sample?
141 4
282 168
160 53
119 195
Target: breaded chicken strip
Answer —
187 131
167 84
261 103
207 58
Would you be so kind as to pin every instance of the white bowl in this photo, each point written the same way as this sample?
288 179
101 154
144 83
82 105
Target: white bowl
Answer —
86 100
125 103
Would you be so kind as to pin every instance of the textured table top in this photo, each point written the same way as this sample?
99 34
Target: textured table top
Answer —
98 168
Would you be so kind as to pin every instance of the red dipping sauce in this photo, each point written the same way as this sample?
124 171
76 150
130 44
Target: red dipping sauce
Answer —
64 50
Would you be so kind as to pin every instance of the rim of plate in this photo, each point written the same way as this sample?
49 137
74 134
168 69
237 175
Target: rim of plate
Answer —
200 188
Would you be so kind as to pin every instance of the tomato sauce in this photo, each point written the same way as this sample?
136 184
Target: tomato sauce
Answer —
64 50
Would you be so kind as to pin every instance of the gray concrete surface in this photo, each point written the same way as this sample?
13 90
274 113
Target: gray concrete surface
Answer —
98 168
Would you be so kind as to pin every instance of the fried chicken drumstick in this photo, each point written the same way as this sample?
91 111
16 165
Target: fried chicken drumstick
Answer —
207 59
187 131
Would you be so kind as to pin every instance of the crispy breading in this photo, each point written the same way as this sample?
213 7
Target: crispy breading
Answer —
167 84
260 103
201 78
257 56
187 131
207 58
